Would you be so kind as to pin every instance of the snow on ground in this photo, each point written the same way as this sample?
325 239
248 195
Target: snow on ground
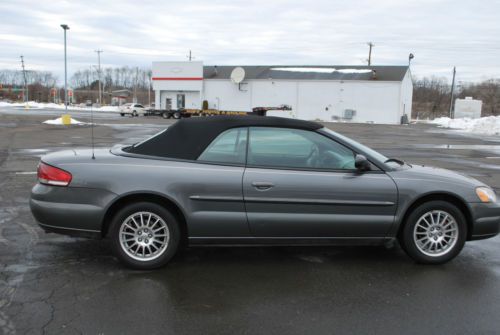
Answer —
44 105
59 122
489 125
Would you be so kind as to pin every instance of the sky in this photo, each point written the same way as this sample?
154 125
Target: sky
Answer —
440 33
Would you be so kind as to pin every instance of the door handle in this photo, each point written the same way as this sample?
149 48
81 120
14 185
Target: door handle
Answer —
262 186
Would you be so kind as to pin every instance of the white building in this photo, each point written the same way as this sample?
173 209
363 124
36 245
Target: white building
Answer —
379 94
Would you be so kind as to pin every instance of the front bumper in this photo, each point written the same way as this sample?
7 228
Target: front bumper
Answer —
486 220
71 211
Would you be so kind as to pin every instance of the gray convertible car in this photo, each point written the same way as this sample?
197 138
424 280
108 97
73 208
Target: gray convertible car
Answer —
252 180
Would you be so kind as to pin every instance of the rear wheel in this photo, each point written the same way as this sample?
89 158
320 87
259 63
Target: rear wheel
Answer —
122 114
177 115
144 235
434 233
165 115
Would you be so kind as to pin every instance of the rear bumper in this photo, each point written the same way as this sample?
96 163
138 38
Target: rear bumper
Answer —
486 220
70 210
71 231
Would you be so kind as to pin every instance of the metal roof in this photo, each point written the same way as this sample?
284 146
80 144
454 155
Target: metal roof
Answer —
310 72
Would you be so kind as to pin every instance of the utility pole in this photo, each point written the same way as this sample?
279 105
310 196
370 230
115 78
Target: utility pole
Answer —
371 45
99 73
452 92
25 81
190 57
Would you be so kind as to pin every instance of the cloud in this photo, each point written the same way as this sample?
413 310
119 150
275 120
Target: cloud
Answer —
441 33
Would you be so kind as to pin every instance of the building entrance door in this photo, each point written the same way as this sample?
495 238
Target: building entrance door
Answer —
181 101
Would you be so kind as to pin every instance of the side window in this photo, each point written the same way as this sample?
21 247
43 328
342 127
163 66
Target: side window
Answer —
228 147
139 106
295 148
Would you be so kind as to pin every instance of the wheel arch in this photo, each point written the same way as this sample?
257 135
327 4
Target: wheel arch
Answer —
156 198
454 199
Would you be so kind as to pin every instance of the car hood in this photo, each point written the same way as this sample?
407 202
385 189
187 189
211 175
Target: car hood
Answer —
429 173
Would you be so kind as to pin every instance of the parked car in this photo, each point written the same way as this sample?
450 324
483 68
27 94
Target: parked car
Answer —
132 109
253 180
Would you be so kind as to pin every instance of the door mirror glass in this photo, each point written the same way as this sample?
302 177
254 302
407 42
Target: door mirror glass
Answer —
361 163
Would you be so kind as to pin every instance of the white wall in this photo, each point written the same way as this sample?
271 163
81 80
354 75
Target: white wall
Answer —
406 95
177 76
377 102
224 95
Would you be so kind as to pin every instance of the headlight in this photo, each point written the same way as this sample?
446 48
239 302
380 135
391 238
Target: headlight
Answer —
486 194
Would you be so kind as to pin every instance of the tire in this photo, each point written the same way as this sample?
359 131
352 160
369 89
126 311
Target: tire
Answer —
165 115
122 114
138 252
177 115
434 232
134 113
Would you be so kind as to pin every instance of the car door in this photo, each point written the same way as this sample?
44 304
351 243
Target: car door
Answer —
215 196
139 108
300 183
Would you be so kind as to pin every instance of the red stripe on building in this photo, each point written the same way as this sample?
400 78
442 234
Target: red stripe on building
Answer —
177 78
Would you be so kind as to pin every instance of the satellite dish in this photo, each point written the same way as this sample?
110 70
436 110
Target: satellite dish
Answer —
237 75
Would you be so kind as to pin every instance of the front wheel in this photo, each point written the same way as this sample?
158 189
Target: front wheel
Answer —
144 235
434 233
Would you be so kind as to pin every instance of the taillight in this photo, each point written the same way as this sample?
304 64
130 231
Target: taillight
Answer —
50 175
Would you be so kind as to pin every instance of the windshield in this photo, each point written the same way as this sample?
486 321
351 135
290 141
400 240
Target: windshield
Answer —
358 146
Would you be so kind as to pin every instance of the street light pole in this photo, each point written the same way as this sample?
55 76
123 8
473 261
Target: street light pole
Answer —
65 27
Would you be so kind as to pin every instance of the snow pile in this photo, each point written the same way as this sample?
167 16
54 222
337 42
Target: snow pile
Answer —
59 122
320 70
489 125
50 105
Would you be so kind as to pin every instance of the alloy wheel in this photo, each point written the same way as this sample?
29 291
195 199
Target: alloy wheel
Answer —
144 236
435 233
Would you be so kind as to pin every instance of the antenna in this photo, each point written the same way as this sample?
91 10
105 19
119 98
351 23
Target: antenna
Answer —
92 129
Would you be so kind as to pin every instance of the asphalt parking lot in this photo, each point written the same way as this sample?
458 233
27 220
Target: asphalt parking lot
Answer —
60 285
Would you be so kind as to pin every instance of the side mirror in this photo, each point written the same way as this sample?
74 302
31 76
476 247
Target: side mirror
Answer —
361 163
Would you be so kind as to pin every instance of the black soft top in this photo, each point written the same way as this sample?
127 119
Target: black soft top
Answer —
188 138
